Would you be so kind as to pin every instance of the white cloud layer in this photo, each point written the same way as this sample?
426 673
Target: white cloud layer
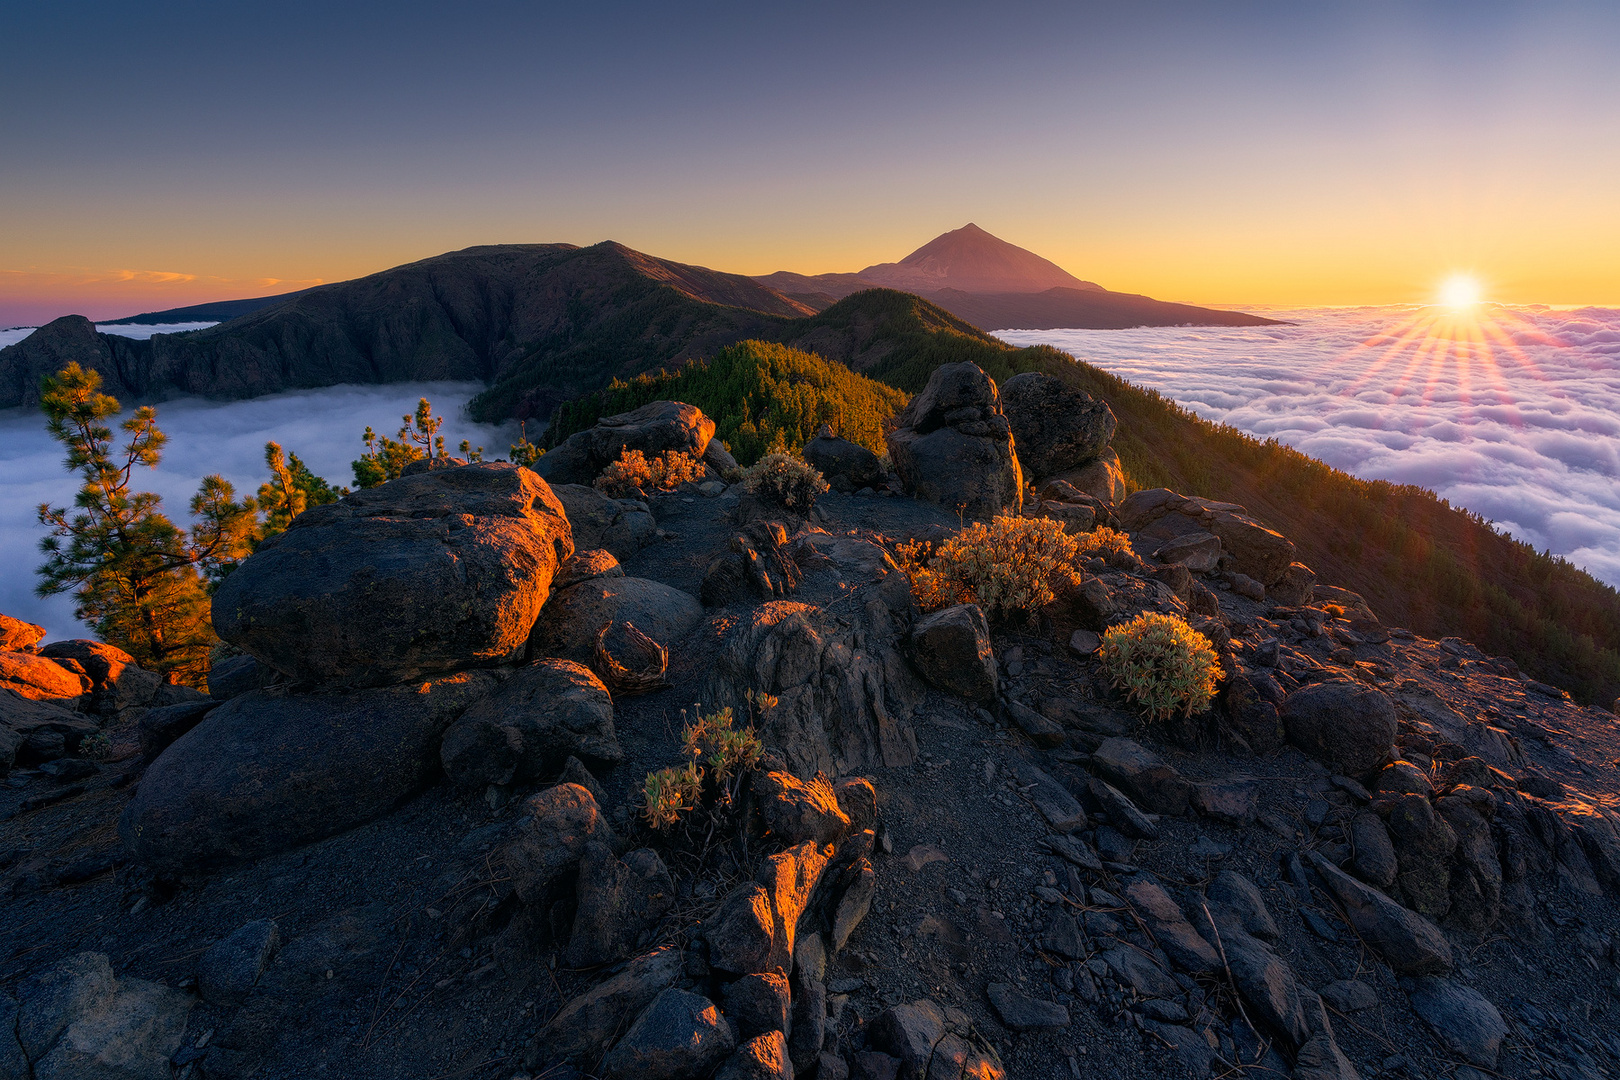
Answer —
322 426
1514 414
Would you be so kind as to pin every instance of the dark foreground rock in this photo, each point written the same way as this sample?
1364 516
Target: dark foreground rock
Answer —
953 447
262 774
530 725
425 574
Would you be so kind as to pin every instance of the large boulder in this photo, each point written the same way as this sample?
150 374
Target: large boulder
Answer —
116 681
652 429
16 635
570 623
1055 426
1341 723
1158 515
79 1022
619 526
952 445
1102 479
842 688
679 1036
952 650
530 725
39 679
581 1029
262 774
425 574
844 464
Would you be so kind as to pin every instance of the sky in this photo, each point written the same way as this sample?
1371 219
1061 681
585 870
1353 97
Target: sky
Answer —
156 155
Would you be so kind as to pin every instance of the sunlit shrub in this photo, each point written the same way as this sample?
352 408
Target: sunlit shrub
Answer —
785 480
1162 664
633 471
1104 543
718 753
1011 564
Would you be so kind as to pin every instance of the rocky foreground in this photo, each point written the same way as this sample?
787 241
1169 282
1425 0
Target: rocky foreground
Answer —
401 836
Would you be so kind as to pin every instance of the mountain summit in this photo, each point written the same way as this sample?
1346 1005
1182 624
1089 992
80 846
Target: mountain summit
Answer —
974 261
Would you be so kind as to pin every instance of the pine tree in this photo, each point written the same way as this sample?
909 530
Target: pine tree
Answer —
385 459
139 578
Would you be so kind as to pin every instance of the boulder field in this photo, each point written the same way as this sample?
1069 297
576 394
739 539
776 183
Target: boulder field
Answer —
403 833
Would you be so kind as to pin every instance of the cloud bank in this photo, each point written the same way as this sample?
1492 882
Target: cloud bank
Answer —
322 426
1514 414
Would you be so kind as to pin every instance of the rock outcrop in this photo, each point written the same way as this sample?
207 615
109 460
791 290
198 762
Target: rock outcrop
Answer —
952 445
652 429
1055 426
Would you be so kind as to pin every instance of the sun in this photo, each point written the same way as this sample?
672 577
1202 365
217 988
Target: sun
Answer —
1460 291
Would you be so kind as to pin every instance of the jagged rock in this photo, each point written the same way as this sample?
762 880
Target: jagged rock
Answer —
77 1021
1121 811
1199 551
1321 1059
953 447
679 1036
1042 731
1406 941
952 650
1055 426
229 969
909 1033
857 798
1267 983
755 927
237 675
809 1022
1249 547
759 1003
764 1057
839 459
1060 809
1147 778
854 904
796 810
1461 1018
574 617
618 902
1341 723
1171 930
1076 851
39 679
621 527
1021 1012
1295 588
555 827
839 703
421 575
116 681
16 635
1350 995
585 565
1102 479
1242 898
1062 936
1423 846
1251 714
261 774
159 728
27 727
1233 802
1135 968
583 1027
1374 855
760 563
1401 778
538 717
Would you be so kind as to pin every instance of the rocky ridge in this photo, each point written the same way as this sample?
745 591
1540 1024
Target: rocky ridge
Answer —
1377 855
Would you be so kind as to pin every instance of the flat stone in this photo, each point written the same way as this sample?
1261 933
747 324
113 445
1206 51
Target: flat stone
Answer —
1231 802
908 1033
229 969
1242 897
1121 811
1149 781
1406 941
1461 1017
1021 1012
1171 930
1061 810
1350 995
1134 967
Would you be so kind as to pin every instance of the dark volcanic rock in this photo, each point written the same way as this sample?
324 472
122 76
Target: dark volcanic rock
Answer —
570 623
759 1003
838 458
952 650
764 1057
1459 1015
1022 1012
229 969
1341 723
618 902
556 826
159 728
582 1029
755 928
1408 942
530 724
237 675
909 1033
1147 778
1054 425
797 810
621 527
425 574
262 774
953 447
679 1036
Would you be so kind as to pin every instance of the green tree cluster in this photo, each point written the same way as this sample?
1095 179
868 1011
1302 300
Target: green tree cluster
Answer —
385 459
762 396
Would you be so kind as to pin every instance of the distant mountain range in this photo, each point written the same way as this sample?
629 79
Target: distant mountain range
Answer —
541 324
999 286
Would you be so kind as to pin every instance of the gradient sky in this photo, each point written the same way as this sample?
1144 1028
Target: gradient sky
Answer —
153 155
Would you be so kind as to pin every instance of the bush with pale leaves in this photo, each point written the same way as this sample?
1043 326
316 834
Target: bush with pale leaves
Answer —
1162 664
1012 564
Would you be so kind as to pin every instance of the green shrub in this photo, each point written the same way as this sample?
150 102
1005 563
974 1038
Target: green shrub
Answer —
1012 564
717 754
1162 664
785 480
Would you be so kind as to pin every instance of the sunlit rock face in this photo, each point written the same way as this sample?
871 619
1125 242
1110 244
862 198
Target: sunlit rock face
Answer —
425 574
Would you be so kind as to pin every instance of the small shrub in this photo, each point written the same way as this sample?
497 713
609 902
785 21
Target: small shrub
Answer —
1104 543
1162 664
668 470
717 753
97 747
1011 564
787 481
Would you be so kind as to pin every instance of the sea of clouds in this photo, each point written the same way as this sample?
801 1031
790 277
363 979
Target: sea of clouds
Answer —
1513 413
322 426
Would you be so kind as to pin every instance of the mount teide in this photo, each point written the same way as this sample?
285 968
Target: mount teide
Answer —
995 285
